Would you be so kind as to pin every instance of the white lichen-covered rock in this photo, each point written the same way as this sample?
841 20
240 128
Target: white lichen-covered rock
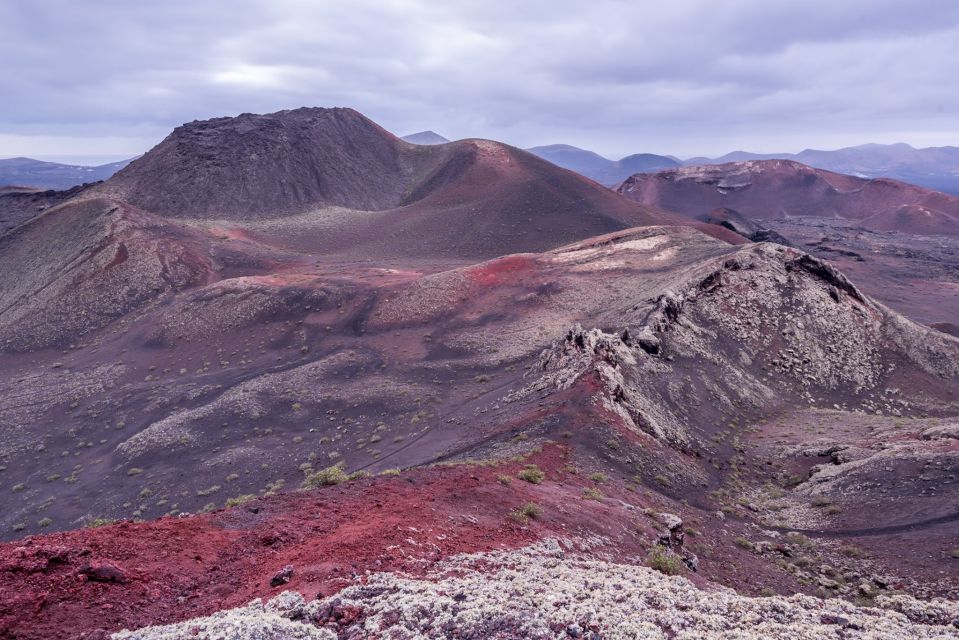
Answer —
542 592
256 621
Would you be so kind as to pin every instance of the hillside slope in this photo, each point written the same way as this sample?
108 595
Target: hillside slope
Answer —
769 189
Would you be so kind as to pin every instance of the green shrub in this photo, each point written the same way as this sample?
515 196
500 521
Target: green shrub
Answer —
665 561
208 491
599 478
99 522
591 493
45 522
853 551
326 477
794 537
529 511
238 500
532 474
743 543
504 480
390 472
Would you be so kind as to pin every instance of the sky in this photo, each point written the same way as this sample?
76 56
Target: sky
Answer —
110 78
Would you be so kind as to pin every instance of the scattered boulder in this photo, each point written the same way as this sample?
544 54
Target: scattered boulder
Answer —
104 572
282 576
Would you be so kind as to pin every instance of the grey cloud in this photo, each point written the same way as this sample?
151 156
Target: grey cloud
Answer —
617 76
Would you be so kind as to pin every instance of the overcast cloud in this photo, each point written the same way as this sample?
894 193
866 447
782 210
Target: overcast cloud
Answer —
681 77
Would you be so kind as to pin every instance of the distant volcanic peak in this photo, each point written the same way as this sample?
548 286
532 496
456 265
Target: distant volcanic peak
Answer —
267 165
743 167
425 138
304 115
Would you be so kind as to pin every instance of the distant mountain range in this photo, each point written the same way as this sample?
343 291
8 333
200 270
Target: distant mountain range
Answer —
933 167
602 170
27 172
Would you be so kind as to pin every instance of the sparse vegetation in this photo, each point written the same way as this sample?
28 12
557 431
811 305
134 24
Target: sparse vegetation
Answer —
598 478
326 477
238 500
853 551
529 511
794 537
208 491
665 561
591 493
134 471
504 480
743 543
44 522
99 522
532 474
390 472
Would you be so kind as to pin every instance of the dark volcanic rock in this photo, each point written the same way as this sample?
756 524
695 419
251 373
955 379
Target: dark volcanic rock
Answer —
282 576
103 572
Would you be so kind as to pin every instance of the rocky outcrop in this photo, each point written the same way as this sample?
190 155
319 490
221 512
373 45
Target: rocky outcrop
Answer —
731 322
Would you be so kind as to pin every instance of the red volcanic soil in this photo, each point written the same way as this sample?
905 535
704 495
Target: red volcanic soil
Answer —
502 271
82 583
770 189
176 568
